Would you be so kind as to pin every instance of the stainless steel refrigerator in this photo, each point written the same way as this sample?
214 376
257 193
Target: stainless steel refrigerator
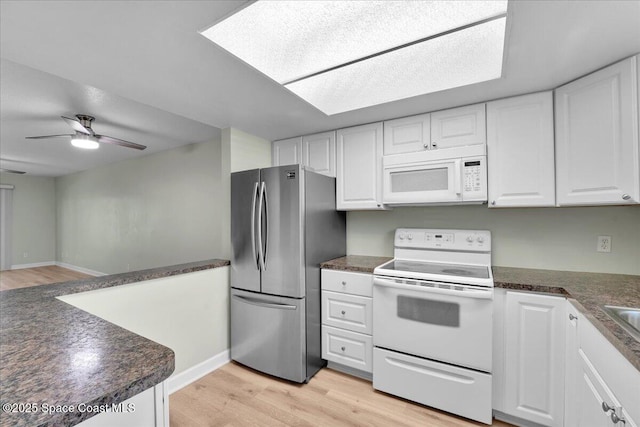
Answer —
284 223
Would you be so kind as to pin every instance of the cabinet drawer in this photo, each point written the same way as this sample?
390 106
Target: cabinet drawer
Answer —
347 282
347 348
347 311
462 391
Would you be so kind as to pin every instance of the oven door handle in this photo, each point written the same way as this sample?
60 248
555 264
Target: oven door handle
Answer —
467 293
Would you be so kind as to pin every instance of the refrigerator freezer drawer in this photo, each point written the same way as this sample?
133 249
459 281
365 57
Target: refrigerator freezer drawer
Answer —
449 388
268 334
347 348
347 311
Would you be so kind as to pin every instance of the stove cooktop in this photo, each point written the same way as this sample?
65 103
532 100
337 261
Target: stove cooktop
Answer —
457 270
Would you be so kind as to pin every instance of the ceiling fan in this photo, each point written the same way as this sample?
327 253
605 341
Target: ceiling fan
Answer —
85 137
12 171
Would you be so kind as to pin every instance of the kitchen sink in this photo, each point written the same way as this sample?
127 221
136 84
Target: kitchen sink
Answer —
628 318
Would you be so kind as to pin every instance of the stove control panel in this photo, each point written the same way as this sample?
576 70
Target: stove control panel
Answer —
424 238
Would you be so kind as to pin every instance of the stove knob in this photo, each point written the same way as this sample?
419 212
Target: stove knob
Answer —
410 237
480 239
401 237
470 239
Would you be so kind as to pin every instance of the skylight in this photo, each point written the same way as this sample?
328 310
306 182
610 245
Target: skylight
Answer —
344 55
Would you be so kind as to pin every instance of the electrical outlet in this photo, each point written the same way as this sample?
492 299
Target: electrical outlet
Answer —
604 244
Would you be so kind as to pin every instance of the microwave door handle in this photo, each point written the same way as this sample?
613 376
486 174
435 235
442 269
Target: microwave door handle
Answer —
457 176
476 294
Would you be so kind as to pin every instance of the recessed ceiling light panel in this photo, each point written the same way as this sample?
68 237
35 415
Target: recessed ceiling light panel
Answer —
458 59
295 41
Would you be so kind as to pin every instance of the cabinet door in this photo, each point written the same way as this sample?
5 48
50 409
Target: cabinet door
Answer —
520 151
534 358
319 152
592 393
287 152
359 162
597 138
407 134
572 366
458 127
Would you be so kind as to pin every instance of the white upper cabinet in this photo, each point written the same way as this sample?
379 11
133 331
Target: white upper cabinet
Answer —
597 138
521 169
287 152
407 134
458 127
319 152
359 167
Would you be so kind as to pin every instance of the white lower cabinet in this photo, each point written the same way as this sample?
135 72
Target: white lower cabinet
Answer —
347 319
603 389
147 409
529 382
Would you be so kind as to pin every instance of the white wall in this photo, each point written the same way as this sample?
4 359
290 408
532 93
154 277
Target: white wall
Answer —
188 313
545 238
162 209
247 151
34 218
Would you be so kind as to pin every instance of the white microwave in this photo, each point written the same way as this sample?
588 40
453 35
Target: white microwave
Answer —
451 176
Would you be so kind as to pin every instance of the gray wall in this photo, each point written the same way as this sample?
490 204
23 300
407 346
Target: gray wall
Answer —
34 224
162 209
546 238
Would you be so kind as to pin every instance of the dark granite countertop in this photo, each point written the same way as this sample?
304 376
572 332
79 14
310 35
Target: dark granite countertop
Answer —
356 263
56 354
587 291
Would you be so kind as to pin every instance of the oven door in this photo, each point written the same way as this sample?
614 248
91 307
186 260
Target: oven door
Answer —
447 323
427 182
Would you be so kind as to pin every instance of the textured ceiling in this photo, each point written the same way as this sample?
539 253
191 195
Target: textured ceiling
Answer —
151 53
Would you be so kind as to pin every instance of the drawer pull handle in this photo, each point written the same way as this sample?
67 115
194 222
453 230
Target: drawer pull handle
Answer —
344 283
572 317
616 419
343 348
343 312
606 407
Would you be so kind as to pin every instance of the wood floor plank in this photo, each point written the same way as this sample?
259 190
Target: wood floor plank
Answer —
236 396
26 277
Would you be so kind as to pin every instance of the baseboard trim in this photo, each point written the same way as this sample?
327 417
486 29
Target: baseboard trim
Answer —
80 269
368 376
32 265
184 378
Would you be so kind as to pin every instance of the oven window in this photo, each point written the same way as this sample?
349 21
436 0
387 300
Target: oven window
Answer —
420 180
429 311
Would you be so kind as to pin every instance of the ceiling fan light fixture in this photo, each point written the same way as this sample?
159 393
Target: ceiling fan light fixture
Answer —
84 141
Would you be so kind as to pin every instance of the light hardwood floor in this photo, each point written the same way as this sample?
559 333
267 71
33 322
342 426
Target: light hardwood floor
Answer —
25 277
237 396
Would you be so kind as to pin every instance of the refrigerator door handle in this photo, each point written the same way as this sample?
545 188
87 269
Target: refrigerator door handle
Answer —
260 303
266 224
253 225
260 249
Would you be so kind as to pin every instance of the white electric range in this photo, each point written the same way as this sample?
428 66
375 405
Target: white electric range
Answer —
433 320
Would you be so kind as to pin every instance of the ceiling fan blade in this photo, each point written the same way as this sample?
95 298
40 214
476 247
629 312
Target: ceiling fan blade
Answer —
116 141
48 136
77 126
12 171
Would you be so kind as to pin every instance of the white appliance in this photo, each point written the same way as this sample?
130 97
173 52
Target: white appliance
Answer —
452 175
433 320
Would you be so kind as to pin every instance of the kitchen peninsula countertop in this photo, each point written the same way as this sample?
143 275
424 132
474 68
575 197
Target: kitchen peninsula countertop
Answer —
587 291
56 354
